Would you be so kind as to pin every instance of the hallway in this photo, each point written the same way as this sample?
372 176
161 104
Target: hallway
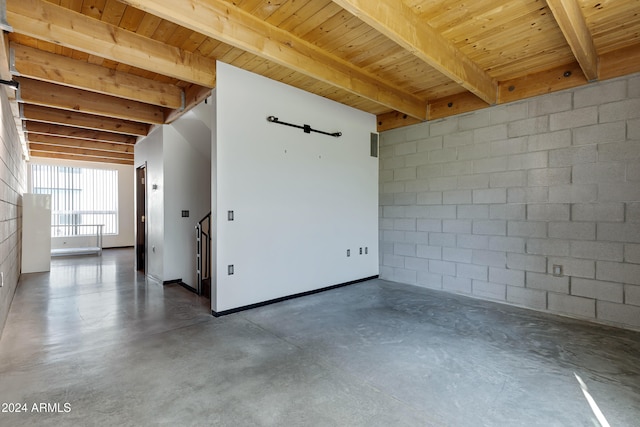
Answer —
121 350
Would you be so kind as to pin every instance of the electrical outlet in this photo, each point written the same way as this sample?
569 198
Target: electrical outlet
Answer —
229 215
230 270
366 250
348 252
557 270
360 251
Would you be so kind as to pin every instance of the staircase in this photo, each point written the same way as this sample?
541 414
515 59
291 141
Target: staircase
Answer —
203 256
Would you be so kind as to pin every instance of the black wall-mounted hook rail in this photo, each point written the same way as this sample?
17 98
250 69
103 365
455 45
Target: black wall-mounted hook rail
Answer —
305 128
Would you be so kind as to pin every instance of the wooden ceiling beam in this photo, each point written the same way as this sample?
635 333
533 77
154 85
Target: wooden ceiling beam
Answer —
612 64
399 23
229 24
40 65
42 114
455 104
393 120
5 74
66 98
33 128
620 62
194 95
80 158
56 24
558 78
59 141
79 151
574 27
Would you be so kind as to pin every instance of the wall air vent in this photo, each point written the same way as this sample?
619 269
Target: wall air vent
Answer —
374 144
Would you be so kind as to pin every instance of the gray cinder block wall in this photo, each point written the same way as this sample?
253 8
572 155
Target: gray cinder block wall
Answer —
12 186
487 203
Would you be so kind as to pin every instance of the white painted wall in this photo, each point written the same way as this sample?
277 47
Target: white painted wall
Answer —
149 152
125 236
36 236
300 200
187 187
214 193
177 157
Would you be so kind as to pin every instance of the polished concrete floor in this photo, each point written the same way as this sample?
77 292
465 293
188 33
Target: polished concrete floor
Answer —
103 346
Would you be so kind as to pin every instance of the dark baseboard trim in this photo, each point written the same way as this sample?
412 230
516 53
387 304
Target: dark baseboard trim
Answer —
181 283
118 247
302 294
189 288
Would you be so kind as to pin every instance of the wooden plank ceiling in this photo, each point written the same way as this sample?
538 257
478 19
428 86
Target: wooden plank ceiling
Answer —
96 74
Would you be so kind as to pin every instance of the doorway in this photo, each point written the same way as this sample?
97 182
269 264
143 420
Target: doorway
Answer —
141 212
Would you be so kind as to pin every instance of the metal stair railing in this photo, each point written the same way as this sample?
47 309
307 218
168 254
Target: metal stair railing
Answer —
203 250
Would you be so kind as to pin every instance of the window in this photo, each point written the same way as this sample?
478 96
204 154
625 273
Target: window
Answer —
80 197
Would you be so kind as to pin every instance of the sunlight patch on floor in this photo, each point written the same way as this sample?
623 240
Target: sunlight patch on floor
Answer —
594 406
